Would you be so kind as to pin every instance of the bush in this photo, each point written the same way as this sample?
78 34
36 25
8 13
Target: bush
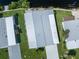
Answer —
25 4
19 4
13 5
66 33
1 7
72 52
40 49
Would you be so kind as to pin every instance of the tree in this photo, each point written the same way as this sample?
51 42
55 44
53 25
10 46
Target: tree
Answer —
13 5
72 52
1 7
25 4
66 33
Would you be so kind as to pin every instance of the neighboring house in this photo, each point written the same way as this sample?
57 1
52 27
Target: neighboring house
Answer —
71 24
41 29
8 35
7 32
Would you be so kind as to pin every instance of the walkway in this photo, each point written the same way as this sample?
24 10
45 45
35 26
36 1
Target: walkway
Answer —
52 52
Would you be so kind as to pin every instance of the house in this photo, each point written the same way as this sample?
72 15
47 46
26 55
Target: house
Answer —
8 37
41 29
71 24
7 32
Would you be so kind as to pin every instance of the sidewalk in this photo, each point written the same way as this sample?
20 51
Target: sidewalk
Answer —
52 52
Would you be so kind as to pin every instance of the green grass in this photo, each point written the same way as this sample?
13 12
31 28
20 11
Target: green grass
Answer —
25 51
4 53
77 54
29 53
62 45
59 18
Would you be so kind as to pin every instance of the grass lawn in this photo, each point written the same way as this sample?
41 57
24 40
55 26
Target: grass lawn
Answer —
62 46
25 51
4 53
59 18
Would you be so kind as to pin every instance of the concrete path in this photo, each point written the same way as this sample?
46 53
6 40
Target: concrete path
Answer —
52 52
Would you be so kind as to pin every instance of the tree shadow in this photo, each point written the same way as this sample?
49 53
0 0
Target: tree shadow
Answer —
72 52
55 3
40 49
66 33
6 2
1 15
17 29
57 25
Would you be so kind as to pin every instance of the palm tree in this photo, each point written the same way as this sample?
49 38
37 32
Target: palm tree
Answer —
66 33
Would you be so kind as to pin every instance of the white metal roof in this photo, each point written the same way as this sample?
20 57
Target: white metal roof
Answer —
52 52
41 28
10 31
3 34
72 44
72 41
53 28
73 27
30 30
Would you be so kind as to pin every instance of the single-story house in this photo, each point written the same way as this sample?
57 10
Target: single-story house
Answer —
7 32
41 28
71 24
8 37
